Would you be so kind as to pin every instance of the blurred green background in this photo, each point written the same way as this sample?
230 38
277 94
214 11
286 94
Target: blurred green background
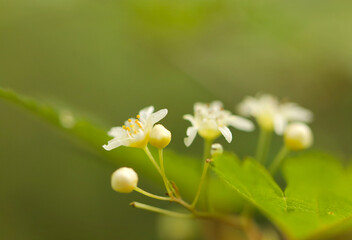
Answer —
108 59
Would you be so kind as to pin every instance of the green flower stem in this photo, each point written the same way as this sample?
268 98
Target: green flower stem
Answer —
263 145
206 155
274 166
202 180
161 211
237 223
207 147
166 181
150 156
137 189
233 221
262 151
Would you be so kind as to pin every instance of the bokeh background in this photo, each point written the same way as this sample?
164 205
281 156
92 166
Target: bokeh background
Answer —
107 59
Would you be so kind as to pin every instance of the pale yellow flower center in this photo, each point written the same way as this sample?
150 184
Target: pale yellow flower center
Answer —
133 128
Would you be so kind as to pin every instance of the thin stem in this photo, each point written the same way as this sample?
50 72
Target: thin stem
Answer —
274 166
226 219
207 147
166 181
161 211
202 179
206 155
137 189
150 156
263 145
233 221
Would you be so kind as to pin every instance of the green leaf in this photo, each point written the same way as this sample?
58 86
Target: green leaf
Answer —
316 203
183 170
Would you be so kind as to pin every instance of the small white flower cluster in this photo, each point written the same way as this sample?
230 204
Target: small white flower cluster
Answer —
137 132
210 121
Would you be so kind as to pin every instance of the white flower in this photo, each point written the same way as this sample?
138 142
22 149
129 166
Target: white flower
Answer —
271 114
135 132
211 120
124 180
298 136
160 137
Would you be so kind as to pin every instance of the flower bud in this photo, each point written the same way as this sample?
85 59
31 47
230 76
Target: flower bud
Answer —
124 180
298 136
160 137
216 149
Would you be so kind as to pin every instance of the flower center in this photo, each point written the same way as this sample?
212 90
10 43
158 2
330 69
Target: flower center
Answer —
133 127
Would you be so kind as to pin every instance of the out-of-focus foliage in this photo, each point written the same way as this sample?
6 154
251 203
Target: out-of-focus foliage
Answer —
200 49
316 202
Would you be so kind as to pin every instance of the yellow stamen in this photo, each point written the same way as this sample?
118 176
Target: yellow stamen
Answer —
130 120
132 126
138 123
124 127
138 116
129 129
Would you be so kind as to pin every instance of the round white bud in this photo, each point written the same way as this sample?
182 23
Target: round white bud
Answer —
124 180
216 149
160 137
298 136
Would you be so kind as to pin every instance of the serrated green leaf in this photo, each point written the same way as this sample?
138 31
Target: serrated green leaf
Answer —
316 202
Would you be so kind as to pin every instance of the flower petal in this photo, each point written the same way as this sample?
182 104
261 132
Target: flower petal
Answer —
226 133
116 132
191 134
146 112
248 106
217 105
280 123
294 112
241 123
190 118
157 116
112 144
